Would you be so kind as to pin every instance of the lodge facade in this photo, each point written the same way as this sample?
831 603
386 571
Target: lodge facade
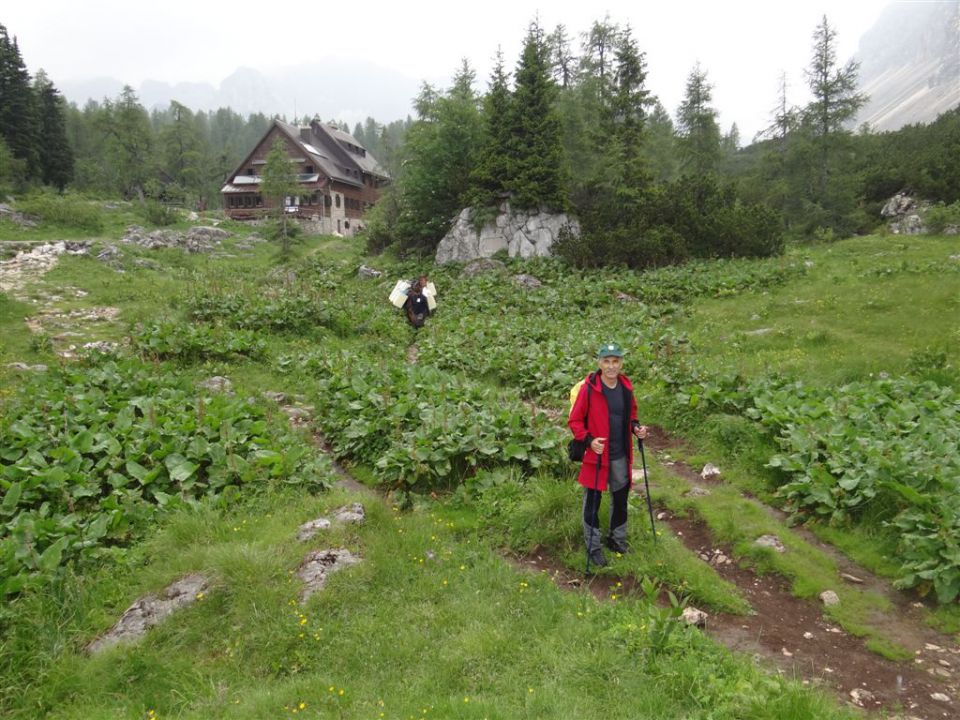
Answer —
339 180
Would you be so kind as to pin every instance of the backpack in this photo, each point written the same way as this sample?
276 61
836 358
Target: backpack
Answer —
576 449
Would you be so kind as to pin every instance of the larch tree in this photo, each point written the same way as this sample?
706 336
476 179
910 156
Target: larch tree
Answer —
835 102
277 183
129 143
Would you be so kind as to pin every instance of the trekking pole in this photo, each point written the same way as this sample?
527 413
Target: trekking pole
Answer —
646 486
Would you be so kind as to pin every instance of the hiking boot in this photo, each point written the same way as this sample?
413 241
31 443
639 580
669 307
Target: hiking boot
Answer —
618 547
597 558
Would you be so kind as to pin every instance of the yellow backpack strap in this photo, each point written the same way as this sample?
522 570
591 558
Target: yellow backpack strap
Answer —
574 392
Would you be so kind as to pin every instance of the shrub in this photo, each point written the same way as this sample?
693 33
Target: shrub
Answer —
940 216
64 211
156 213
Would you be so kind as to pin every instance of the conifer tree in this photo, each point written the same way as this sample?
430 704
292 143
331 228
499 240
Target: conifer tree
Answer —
18 114
539 177
698 132
561 57
493 172
277 183
835 102
55 154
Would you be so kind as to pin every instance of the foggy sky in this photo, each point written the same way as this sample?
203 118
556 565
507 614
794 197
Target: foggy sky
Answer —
744 45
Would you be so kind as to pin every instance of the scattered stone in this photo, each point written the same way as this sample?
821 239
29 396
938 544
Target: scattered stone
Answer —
278 397
368 272
692 616
662 515
808 636
109 253
759 331
786 653
697 492
24 366
217 384
944 663
861 696
829 598
101 346
195 240
527 281
932 648
940 697
624 297
317 565
851 578
350 514
311 528
770 541
17 218
709 471
299 416
347 514
151 610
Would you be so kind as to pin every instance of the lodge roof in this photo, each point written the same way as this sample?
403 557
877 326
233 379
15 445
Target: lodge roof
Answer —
335 153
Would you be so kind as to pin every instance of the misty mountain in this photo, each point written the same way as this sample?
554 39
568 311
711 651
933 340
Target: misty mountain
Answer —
347 90
910 64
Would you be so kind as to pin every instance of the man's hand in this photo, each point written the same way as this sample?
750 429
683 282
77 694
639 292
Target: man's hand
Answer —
597 445
640 431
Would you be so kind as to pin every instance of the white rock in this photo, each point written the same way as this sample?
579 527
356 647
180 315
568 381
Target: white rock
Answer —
770 541
829 598
940 697
709 471
692 616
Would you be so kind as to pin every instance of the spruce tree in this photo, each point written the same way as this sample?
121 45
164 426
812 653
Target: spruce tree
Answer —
493 171
55 154
699 134
539 177
18 114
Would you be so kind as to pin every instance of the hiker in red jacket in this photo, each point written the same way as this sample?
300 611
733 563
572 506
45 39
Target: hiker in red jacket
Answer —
605 415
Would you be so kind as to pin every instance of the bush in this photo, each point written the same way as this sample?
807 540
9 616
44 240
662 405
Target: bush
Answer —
64 211
156 213
940 216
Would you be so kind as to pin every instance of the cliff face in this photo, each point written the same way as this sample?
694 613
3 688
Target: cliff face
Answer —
910 64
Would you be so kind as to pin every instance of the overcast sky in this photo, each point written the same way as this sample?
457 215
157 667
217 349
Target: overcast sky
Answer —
744 45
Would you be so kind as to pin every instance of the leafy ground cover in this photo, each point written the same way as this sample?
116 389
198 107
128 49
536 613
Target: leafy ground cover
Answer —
460 440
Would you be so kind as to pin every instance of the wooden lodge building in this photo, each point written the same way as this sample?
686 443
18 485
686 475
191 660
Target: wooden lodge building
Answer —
338 178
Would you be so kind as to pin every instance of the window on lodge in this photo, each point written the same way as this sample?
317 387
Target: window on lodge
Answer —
308 169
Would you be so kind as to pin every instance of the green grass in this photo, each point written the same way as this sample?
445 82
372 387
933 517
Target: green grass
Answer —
865 306
435 623
429 625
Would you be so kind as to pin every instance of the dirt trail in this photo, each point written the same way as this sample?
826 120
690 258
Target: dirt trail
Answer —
793 634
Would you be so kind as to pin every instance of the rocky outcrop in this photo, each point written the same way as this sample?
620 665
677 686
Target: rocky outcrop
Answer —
521 233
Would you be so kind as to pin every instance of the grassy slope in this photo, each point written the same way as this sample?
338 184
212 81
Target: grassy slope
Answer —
458 634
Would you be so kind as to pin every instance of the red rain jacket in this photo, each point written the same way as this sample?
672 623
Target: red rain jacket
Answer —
598 425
